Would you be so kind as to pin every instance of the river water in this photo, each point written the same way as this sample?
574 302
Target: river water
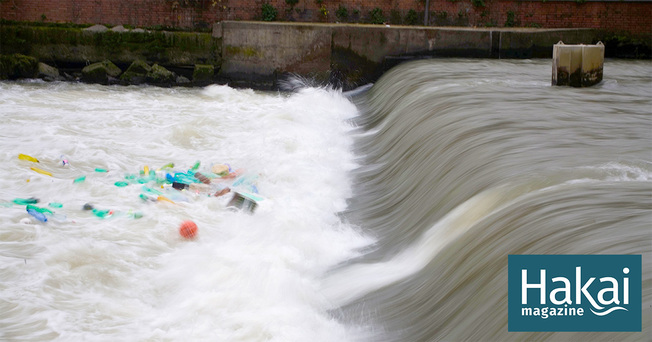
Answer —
384 216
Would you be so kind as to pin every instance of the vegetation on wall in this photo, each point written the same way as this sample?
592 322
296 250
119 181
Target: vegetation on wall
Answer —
511 19
411 18
269 13
376 16
342 13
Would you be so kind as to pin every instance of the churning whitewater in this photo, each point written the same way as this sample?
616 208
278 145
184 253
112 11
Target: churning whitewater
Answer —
387 214
79 277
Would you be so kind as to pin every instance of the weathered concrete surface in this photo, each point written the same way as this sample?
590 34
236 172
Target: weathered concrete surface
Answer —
352 55
577 65
262 54
75 47
254 53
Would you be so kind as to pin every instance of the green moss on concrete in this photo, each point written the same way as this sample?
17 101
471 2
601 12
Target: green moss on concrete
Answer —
246 51
136 73
47 72
203 74
159 75
350 70
17 66
100 72
63 45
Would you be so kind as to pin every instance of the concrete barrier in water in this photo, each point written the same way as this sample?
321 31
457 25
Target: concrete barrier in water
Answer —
577 65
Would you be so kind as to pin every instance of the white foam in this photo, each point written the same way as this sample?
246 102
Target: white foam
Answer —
245 277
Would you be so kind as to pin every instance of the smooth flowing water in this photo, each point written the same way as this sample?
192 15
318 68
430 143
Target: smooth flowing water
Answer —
387 220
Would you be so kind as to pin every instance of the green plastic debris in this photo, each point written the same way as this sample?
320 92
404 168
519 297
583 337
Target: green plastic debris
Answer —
149 190
135 215
25 201
121 184
167 166
101 213
97 169
196 166
79 179
55 205
39 209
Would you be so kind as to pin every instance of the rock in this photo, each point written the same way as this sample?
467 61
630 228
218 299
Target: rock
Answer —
119 28
48 73
5 67
139 66
100 72
69 77
97 28
159 75
203 74
182 80
18 66
136 73
138 30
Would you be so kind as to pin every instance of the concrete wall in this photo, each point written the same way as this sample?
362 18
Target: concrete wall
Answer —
352 55
262 55
72 47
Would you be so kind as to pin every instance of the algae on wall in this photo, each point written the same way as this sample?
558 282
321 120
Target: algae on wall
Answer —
74 46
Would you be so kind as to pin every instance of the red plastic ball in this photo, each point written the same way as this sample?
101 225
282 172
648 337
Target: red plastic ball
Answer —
188 229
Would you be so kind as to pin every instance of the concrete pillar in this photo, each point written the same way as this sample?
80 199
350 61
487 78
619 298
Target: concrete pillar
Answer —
577 65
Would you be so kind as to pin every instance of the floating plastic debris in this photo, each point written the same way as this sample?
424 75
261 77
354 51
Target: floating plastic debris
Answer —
25 201
36 169
37 215
27 158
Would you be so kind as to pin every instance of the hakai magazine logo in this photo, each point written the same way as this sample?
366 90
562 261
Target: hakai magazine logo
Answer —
574 292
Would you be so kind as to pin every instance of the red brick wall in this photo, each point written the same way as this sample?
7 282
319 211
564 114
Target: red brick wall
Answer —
634 17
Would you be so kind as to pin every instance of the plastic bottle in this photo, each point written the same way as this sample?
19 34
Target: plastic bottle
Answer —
27 158
200 188
167 166
37 215
38 209
102 213
43 172
25 201
202 178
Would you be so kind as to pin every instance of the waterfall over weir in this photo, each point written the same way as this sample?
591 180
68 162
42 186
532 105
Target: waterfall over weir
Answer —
463 162
448 166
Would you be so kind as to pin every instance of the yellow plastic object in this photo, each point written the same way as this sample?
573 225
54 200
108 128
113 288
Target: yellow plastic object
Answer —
43 172
163 198
28 158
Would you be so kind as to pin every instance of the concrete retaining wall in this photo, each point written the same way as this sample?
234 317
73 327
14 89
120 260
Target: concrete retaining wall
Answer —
261 55
351 55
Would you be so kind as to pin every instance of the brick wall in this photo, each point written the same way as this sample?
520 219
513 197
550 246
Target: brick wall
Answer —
634 17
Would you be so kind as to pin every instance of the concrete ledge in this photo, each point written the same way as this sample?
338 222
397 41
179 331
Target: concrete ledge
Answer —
261 54
351 55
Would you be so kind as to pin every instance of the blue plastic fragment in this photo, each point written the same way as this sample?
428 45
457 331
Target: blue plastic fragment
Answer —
37 215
